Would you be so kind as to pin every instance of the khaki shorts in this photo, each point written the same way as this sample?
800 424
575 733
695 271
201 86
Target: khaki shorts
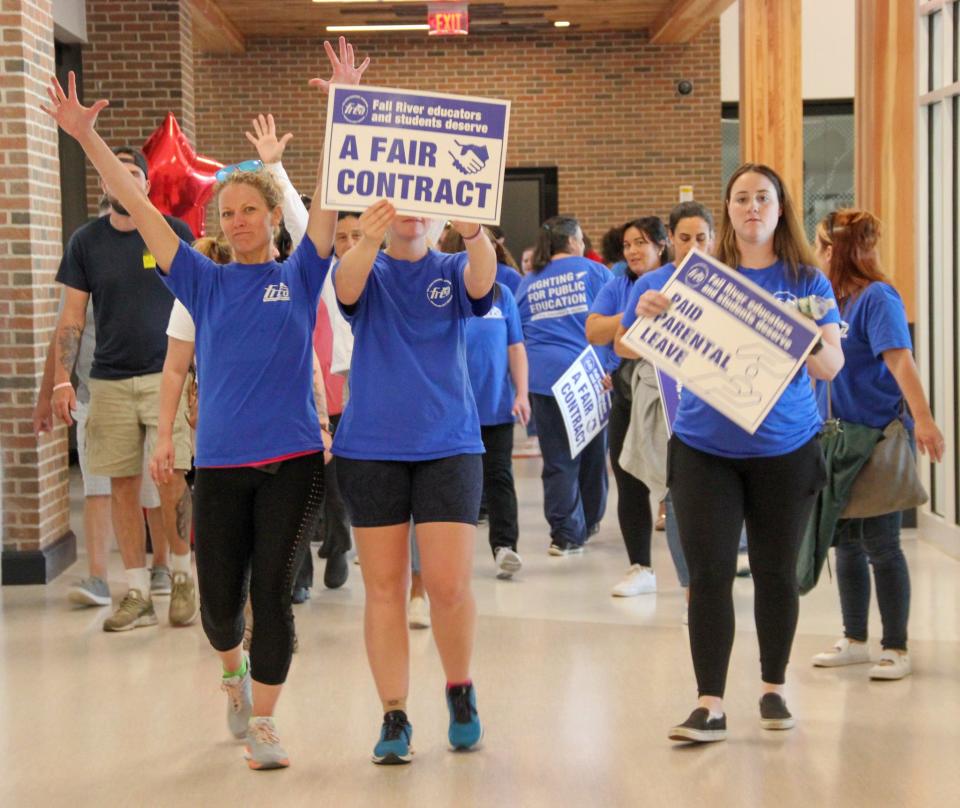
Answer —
122 423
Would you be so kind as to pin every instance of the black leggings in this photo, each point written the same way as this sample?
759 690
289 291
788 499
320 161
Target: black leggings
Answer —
712 497
633 497
256 520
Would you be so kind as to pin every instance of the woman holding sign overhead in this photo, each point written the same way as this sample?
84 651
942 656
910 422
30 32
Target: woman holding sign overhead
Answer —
720 475
554 301
409 444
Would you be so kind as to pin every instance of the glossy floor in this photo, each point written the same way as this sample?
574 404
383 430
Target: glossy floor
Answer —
576 689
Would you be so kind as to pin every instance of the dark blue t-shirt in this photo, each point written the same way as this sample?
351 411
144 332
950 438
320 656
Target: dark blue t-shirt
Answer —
554 304
410 394
509 277
612 300
254 353
794 419
864 391
488 338
655 280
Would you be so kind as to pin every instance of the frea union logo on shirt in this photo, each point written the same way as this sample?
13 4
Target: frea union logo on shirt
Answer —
276 293
440 292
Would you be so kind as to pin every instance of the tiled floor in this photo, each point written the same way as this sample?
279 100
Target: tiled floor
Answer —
577 690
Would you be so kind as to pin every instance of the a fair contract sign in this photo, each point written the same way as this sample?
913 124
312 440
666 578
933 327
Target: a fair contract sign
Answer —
430 154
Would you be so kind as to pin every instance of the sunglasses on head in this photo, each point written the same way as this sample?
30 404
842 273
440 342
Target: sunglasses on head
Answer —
246 165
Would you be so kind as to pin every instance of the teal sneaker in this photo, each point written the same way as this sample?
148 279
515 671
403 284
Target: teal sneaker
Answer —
239 702
465 727
394 748
263 745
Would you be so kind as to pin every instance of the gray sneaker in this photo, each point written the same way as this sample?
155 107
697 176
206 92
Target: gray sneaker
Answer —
134 611
160 581
263 745
239 702
184 606
92 591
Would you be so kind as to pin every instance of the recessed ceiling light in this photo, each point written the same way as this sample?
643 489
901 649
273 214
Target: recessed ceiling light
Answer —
334 29
561 24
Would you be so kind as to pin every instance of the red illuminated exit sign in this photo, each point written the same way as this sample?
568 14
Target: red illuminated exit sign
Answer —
448 19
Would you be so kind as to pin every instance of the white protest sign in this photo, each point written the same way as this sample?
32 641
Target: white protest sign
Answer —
732 343
430 154
583 401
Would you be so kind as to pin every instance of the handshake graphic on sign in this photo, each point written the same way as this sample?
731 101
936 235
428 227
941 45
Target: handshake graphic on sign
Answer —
471 159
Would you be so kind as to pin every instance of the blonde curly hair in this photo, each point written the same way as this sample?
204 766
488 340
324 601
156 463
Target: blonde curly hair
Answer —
261 179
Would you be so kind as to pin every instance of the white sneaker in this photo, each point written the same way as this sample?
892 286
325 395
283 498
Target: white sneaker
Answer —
892 665
639 580
418 613
844 652
508 562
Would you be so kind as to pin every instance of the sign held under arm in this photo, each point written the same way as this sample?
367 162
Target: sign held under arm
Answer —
430 154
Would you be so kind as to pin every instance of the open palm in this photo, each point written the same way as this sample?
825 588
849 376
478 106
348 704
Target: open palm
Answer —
269 147
65 108
345 71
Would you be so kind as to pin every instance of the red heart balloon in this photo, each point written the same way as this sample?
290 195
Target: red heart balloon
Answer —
181 181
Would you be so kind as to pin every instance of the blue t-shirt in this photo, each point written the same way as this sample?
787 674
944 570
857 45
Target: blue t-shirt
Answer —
410 394
611 300
794 419
509 277
655 279
619 268
864 391
553 304
488 338
254 353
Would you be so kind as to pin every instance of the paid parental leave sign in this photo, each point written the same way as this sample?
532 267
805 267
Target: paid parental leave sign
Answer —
728 341
584 402
430 154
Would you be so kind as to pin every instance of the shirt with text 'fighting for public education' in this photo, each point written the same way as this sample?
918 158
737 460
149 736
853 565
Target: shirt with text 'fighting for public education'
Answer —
554 304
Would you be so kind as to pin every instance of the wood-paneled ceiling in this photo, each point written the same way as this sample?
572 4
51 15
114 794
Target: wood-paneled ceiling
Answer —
225 24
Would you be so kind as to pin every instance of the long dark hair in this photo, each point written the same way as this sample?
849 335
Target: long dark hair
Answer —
790 243
656 233
553 237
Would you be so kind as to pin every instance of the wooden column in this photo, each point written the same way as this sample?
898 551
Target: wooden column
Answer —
886 133
771 91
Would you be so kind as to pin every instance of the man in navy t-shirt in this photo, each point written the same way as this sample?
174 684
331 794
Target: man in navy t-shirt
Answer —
107 260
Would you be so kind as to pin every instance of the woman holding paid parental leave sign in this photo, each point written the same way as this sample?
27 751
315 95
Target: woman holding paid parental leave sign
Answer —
720 475
409 444
554 301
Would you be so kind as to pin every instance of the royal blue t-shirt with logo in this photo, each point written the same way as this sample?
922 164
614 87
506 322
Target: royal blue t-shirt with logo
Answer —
795 418
554 304
865 391
254 353
410 394
655 279
488 338
509 277
612 300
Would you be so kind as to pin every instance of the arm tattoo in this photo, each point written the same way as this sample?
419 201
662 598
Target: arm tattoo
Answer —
184 514
69 341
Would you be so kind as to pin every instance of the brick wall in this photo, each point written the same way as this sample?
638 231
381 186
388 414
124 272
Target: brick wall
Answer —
140 57
603 108
35 504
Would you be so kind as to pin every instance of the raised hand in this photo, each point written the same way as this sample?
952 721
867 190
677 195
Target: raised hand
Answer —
344 69
65 108
469 230
375 220
269 149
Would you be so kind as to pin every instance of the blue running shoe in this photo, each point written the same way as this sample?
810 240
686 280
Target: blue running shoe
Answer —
465 727
394 748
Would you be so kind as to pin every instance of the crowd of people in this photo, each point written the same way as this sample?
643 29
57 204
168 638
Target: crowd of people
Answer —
287 367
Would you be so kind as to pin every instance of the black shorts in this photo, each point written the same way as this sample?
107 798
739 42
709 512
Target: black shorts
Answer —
388 492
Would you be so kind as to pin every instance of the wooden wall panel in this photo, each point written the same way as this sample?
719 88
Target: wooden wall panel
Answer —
771 92
886 133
